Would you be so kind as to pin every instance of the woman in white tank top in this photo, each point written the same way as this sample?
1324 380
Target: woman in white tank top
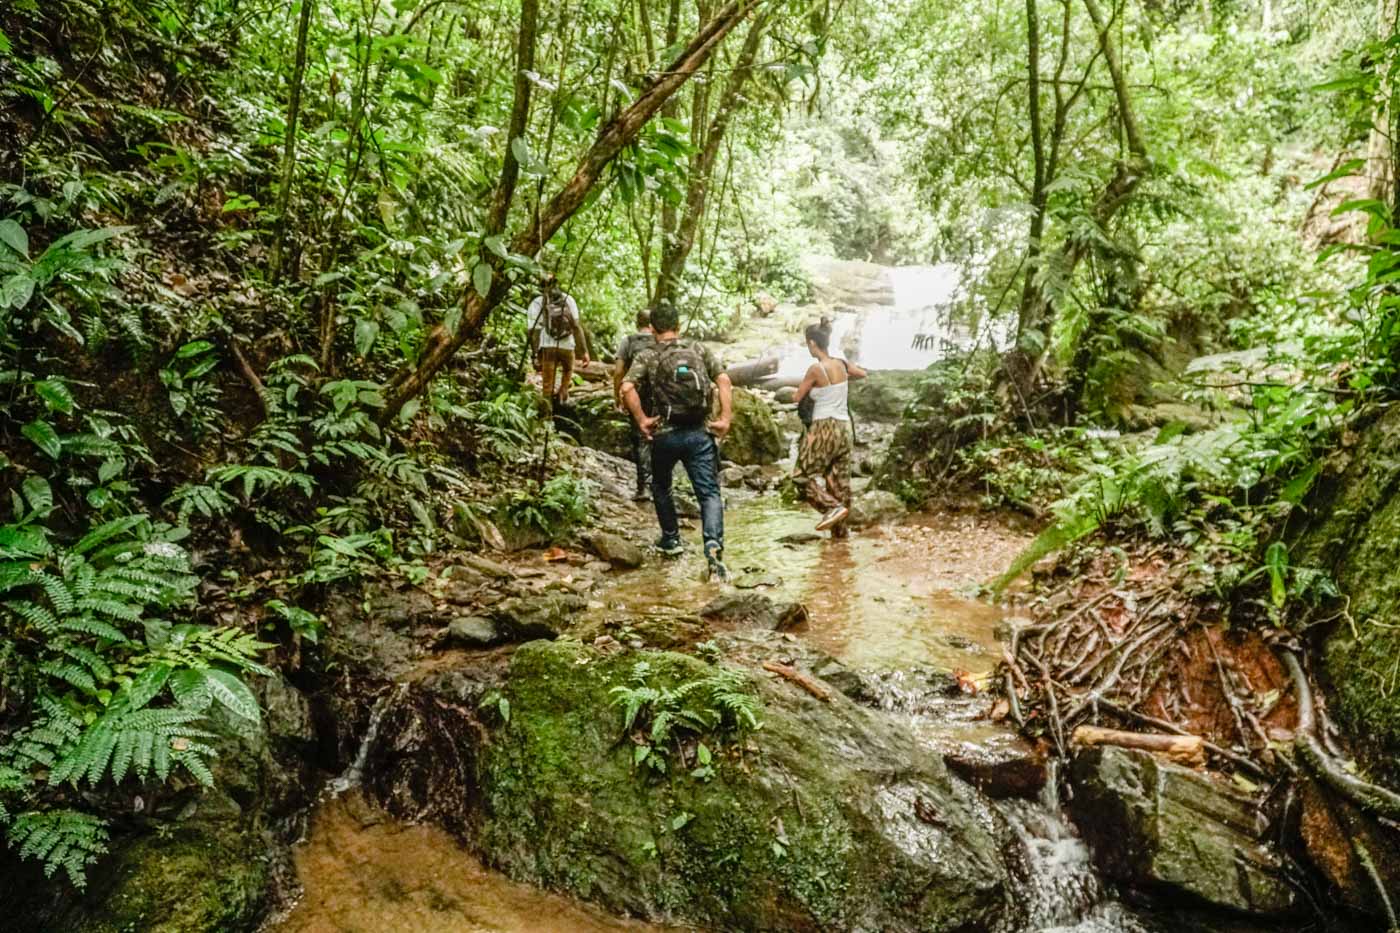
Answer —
824 459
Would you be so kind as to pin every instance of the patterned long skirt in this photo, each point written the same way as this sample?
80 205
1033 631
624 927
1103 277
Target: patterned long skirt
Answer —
824 464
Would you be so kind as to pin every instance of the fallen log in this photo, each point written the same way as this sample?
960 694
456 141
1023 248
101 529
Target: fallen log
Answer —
810 684
752 372
1183 749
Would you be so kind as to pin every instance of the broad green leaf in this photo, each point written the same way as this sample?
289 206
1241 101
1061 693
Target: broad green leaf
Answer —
521 150
481 279
16 291
55 394
232 694
38 493
13 236
497 245
44 437
365 333
193 348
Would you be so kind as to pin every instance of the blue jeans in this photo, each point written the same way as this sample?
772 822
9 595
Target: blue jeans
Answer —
695 448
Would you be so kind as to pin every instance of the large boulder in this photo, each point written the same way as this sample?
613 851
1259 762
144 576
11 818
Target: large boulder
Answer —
875 506
752 610
828 817
754 436
1168 830
883 395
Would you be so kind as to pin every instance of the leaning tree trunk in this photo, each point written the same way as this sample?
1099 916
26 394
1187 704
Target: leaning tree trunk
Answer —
678 246
442 343
1382 151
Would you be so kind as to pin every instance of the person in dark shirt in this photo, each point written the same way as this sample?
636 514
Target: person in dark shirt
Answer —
668 390
627 352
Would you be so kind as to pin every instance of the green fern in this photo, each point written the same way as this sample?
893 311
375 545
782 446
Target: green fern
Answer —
63 839
119 692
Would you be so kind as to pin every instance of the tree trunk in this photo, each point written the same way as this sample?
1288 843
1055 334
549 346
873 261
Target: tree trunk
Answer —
441 343
1023 364
676 250
1382 151
289 146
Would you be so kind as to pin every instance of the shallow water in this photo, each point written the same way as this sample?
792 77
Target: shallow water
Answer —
366 873
889 596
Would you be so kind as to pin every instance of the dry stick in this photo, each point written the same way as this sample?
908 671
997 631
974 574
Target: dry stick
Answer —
1239 761
250 375
802 680
1104 685
1057 729
1090 644
1013 699
1372 798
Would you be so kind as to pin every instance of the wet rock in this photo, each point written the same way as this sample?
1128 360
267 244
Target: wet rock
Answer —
764 477
801 537
753 610
595 422
615 549
754 437
785 395
399 608
597 566
875 506
474 632
753 581
883 395
732 476
1165 829
422 763
835 818
522 618
1001 771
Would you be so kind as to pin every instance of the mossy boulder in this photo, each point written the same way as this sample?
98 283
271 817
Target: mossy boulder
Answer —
1354 534
754 436
883 396
194 879
830 816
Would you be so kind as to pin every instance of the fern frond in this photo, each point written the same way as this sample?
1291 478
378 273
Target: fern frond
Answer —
36 615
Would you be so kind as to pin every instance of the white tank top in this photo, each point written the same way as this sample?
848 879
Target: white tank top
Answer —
829 401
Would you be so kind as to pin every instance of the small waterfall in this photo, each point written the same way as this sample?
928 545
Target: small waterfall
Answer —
1056 888
351 777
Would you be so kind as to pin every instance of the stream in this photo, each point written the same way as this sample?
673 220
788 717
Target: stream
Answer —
892 596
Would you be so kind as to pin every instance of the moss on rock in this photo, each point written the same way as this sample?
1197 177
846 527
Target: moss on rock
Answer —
1355 536
828 816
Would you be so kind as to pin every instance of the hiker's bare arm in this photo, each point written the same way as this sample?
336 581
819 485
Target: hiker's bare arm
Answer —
581 341
720 426
808 381
645 423
853 371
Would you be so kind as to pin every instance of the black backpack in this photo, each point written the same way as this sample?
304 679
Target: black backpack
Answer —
681 390
558 322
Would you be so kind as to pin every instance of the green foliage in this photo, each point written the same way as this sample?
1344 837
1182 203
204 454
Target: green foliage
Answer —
112 689
552 509
661 715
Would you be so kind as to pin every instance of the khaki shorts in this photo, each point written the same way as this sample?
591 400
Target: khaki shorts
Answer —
560 356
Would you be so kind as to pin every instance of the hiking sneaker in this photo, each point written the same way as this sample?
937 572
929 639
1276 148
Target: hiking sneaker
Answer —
670 547
718 572
833 517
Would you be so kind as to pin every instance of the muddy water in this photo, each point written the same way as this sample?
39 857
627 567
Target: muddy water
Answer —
365 873
891 596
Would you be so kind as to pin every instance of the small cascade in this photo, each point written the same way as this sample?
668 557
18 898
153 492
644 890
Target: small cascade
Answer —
1056 887
351 777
